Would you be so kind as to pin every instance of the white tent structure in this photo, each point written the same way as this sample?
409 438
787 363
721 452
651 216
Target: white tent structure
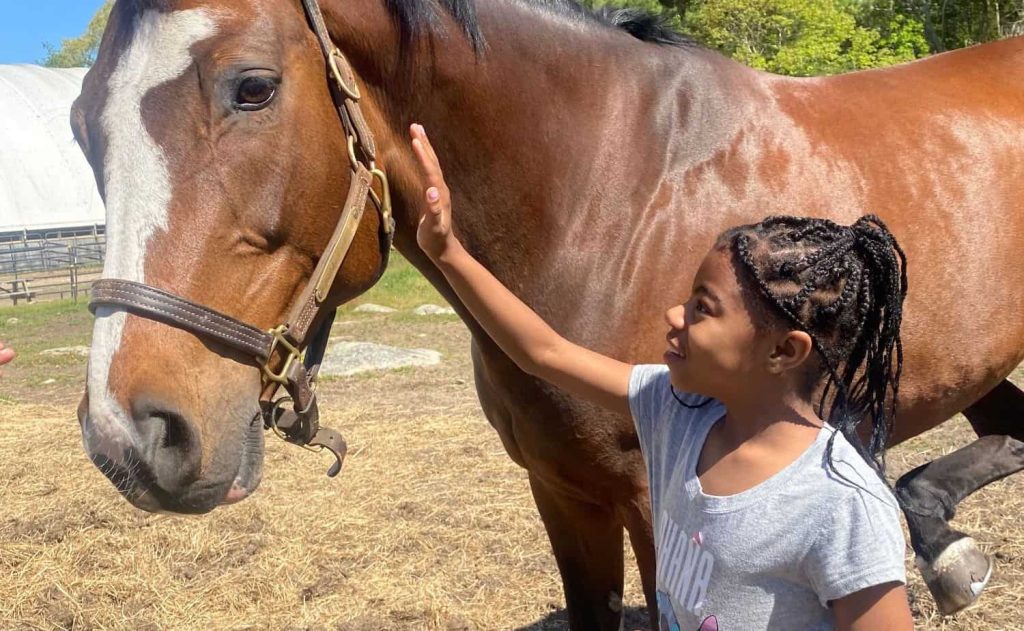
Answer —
45 182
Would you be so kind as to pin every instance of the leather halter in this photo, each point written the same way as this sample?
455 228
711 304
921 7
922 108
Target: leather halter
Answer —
279 352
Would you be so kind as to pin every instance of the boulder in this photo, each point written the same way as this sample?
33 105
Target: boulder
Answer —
350 358
429 310
369 307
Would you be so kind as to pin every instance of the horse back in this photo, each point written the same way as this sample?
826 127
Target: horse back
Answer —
934 147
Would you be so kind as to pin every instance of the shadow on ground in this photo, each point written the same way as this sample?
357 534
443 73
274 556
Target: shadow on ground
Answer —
635 619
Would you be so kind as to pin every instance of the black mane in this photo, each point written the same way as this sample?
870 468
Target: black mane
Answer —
416 16
646 27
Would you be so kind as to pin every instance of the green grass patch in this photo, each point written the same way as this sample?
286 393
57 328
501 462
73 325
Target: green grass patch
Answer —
36 327
402 287
42 312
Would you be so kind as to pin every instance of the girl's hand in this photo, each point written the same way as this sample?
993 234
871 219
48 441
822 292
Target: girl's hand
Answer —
6 354
435 230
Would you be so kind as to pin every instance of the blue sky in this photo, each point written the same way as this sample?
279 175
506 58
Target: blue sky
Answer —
25 25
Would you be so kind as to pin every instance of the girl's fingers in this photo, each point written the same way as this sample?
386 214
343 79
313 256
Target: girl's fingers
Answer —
429 145
434 203
428 157
421 156
433 198
431 170
419 132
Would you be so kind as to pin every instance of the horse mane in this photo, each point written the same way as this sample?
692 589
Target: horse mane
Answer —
416 16
643 25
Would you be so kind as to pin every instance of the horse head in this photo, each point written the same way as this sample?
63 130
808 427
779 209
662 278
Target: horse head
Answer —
219 152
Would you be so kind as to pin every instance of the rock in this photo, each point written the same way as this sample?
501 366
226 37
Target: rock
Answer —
369 307
428 310
12 321
350 358
49 382
77 351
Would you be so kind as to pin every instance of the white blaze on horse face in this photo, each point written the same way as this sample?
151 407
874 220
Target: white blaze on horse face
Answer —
138 188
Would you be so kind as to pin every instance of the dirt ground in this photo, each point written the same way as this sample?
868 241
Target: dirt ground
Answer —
430 526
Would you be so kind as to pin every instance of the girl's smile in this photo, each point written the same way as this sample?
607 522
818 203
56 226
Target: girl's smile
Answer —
676 320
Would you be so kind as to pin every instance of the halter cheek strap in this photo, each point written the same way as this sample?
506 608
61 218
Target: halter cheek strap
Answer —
279 352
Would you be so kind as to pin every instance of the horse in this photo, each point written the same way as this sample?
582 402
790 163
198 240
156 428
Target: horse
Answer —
593 158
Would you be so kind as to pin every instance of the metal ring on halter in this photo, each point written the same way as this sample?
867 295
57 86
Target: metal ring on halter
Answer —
280 434
382 200
383 204
350 90
352 152
272 418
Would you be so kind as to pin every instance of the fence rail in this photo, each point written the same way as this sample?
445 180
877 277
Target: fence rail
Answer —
50 268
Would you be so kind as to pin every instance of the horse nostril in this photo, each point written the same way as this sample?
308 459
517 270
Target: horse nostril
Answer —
169 448
176 432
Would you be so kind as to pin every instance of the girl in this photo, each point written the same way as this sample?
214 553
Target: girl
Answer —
765 516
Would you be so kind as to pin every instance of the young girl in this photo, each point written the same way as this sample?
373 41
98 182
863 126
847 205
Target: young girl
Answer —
765 517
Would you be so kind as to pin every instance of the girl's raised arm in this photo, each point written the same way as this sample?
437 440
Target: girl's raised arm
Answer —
533 345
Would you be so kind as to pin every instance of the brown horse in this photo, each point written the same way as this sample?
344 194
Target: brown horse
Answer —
593 160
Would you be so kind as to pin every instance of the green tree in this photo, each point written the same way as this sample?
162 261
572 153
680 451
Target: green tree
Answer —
804 37
798 37
674 7
957 23
80 51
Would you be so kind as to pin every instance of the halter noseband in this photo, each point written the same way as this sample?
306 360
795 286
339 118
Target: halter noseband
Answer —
279 352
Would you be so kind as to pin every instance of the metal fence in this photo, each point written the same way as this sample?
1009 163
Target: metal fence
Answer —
50 266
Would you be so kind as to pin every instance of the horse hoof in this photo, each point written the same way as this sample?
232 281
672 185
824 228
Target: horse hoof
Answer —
958 575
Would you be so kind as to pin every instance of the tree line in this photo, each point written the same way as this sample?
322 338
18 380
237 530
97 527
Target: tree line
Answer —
792 37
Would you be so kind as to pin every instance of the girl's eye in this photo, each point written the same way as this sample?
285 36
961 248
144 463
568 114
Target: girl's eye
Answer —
702 308
255 93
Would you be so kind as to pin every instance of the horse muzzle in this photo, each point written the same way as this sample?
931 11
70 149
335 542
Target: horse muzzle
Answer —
155 459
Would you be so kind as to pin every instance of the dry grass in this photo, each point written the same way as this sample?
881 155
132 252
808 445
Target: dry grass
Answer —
430 526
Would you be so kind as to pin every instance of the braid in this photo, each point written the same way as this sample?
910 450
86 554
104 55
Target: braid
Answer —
844 286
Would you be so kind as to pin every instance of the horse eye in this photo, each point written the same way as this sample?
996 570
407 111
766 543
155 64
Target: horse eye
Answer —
255 93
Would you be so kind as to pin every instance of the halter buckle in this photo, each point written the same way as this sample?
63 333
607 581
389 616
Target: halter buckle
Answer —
294 354
343 75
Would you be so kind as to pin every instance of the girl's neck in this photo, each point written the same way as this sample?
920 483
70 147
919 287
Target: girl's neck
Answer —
768 419
758 438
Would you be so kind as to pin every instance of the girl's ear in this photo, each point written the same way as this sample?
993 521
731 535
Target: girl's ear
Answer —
790 352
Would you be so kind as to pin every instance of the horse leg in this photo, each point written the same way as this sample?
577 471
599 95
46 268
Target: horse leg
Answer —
641 536
953 567
587 543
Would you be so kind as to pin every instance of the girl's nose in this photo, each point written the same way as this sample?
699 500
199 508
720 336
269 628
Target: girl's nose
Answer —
676 317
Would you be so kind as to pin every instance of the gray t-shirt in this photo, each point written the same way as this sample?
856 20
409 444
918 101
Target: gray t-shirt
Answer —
773 556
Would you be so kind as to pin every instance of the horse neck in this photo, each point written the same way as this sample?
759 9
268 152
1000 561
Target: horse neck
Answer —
524 131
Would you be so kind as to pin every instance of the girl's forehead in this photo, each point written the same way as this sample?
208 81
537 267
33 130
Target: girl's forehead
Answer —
717 274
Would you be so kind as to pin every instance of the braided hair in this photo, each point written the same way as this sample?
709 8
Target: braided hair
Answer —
844 286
